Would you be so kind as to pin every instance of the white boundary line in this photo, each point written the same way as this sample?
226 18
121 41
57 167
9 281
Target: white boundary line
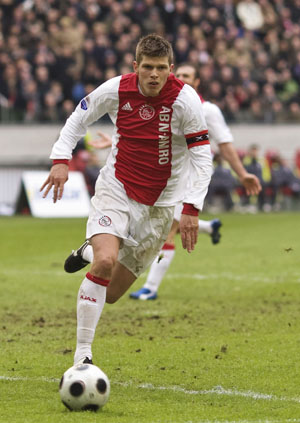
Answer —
217 390
231 276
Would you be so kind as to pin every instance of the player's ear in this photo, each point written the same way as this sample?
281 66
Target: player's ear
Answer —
171 67
135 66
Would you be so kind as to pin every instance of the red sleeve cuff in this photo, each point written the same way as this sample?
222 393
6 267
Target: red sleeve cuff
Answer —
190 209
60 161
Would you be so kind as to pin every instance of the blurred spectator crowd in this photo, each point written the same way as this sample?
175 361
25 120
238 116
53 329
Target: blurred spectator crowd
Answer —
54 52
280 183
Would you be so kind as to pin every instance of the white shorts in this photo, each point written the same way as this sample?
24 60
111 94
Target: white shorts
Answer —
178 211
142 228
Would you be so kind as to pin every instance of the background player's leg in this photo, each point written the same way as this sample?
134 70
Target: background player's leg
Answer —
211 227
205 226
158 268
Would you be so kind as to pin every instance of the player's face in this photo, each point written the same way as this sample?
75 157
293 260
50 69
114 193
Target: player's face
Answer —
186 74
153 73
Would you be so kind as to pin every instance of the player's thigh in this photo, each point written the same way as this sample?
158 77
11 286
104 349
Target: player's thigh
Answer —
121 281
173 231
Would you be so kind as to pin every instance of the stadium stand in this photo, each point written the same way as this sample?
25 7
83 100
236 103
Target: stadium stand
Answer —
53 53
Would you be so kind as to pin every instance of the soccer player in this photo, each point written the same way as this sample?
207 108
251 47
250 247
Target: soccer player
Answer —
159 129
221 135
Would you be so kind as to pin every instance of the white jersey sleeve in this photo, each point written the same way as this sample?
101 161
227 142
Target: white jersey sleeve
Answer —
102 100
218 129
200 158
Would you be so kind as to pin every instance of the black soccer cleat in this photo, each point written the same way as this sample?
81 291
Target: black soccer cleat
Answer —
215 235
85 360
75 261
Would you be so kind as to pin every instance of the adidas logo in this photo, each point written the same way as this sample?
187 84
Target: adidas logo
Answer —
127 107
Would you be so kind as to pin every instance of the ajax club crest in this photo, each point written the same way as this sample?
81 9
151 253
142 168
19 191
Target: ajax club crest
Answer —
105 221
146 112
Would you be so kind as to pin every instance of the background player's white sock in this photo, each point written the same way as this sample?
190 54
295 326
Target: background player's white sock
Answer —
88 254
205 226
159 267
90 303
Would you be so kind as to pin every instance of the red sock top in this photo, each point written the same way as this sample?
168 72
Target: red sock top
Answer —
98 281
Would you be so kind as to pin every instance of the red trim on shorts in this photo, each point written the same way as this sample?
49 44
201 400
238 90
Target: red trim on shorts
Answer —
95 279
190 210
167 246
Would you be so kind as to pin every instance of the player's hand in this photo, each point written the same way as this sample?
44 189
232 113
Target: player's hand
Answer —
103 142
57 178
188 226
251 184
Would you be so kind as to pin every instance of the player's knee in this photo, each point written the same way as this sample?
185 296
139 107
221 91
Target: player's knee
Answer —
104 265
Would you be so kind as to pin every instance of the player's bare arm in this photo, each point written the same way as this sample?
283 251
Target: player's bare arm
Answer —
57 178
250 182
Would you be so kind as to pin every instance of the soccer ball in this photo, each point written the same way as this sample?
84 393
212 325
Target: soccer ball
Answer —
84 387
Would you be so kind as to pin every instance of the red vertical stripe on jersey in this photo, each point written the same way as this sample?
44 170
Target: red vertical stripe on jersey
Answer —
144 158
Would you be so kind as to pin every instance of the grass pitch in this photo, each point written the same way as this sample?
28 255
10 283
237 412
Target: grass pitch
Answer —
220 344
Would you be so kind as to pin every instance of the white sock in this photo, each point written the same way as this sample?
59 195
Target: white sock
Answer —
158 268
90 303
205 226
88 253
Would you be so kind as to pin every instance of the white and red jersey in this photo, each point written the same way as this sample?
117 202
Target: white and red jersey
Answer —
218 132
152 136
218 129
